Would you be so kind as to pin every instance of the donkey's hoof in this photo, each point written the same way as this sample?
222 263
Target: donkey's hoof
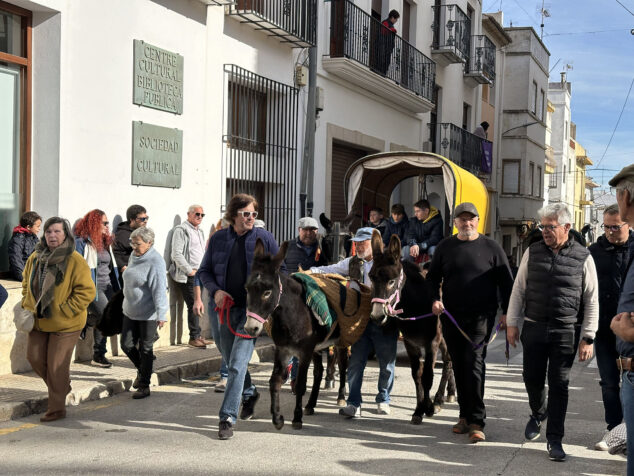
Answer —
279 423
417 420
330 384
309 411
451 399
297 425
341 402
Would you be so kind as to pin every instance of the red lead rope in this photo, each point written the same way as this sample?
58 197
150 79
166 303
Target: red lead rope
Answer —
224 316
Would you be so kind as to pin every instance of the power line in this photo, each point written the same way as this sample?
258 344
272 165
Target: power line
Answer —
585 32
631 13
617 122
527 14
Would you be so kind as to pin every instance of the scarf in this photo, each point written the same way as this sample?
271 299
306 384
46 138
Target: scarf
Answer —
49 270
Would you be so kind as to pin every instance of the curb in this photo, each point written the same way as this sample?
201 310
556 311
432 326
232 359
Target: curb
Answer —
163 376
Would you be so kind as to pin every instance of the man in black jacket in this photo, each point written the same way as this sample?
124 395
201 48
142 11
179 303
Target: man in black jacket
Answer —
397 225
136 217
304 251
611 255
424 231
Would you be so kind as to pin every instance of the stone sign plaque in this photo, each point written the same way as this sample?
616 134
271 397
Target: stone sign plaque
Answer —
157 155
158 78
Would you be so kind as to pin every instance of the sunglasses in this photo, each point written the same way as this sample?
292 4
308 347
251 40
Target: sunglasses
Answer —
200 215
550 228
248 214
612 227
143 219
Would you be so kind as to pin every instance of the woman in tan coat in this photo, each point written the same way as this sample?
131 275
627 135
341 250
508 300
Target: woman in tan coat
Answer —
57 288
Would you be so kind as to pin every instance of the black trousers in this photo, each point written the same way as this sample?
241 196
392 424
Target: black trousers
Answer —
468 363
137 341
605 350
548 352
187 290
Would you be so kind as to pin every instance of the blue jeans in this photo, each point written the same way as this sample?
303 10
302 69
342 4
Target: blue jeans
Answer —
605 350
236 352
406 256
214 325
384 345
627 398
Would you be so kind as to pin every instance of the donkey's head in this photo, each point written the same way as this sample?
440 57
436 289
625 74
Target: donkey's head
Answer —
336 242
264 287
387 278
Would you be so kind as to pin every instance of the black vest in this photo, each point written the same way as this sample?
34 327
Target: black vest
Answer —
554 284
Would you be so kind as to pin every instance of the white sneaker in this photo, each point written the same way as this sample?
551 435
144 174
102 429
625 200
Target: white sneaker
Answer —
350 411
602 445
383 408
221 386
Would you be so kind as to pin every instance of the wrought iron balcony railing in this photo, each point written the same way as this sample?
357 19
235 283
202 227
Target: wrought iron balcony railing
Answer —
452 33
481 65
356 35
293 21
458 145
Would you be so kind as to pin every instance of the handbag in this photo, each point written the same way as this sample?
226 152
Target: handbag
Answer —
23 319
616 440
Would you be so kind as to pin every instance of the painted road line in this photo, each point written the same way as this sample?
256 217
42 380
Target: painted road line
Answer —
25 426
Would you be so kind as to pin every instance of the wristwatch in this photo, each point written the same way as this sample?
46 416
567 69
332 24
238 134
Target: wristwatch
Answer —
588 340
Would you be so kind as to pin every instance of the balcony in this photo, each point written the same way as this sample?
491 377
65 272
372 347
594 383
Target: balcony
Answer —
452 35
365 53
292 21
480 69
459 146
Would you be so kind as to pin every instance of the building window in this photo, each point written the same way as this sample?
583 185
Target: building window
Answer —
533 98
511 176
466 116
540 105
531 179
539 182
260 152
563 177
552 182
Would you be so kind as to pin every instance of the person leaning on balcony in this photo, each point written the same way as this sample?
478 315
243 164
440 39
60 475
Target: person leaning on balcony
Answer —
481 130
385 44
57 288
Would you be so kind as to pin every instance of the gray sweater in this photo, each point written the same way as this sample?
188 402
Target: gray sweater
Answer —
144 287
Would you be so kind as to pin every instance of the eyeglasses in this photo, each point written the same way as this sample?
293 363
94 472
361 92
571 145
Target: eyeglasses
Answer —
143 219
105 223
244 214
200 215
612 227
550 228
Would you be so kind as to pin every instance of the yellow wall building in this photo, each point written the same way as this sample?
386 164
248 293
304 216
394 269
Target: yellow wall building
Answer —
580 202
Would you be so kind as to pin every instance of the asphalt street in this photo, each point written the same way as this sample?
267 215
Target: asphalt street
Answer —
175 432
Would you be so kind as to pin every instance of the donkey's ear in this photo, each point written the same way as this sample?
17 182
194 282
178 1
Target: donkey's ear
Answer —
394 248
377 243
281 255
325 221
259 251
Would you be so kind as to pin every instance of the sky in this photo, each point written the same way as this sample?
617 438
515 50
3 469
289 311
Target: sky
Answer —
594 37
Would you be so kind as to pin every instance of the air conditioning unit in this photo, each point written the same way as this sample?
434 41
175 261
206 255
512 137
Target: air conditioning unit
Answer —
301 76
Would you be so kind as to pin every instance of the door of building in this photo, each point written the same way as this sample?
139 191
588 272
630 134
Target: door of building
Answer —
343 156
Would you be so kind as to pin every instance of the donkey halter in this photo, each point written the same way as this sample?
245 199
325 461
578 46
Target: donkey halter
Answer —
261 319
391 302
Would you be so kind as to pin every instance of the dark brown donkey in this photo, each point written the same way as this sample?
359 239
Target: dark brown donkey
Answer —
294 330
401 292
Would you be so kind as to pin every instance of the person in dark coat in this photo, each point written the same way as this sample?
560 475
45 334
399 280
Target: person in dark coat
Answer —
23 243
304 251
385 42
377 221
424 231
611 255
3 295
397 225
136 216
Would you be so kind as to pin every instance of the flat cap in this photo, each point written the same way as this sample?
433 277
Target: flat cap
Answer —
627 173
307 222
466 207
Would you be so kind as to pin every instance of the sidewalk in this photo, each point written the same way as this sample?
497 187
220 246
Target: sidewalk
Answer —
24 394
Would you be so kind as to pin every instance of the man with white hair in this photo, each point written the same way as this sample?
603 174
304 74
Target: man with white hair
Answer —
556 283
188 249
623 324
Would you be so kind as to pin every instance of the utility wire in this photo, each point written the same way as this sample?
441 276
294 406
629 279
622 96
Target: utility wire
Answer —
527 14
584 32
617 122
631 13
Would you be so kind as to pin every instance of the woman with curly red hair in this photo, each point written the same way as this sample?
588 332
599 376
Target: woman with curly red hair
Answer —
93 241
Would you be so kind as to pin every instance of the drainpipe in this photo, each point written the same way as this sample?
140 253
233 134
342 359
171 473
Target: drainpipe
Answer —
308 160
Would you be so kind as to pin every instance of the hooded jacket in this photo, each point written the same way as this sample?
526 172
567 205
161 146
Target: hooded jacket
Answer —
427 232
21 246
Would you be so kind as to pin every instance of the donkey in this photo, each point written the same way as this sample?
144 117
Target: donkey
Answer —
295 331
400 292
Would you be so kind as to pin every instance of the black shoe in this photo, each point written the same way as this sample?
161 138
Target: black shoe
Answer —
101 361
225 430
142 392
556 451
135 384
533 428
248 406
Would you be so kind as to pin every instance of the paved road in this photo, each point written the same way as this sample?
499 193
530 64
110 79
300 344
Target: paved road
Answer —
174 432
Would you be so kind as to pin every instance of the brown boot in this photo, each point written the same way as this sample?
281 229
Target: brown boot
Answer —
475 433
198 343
53 416
461 427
